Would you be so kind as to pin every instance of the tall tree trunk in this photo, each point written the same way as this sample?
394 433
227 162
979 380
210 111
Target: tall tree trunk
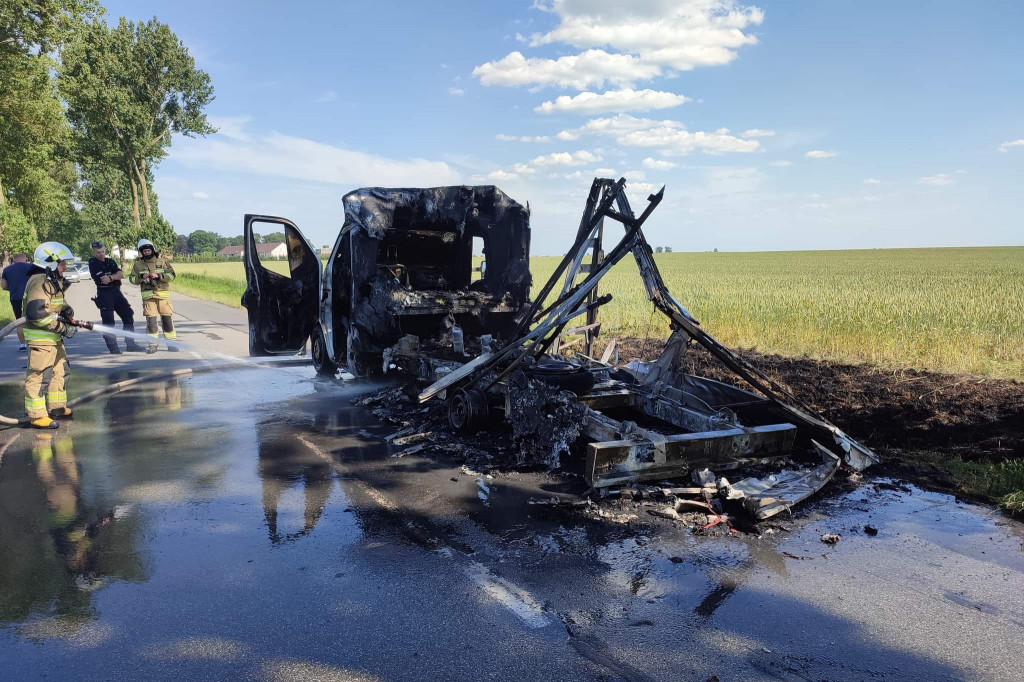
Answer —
3 226
135 203
140 173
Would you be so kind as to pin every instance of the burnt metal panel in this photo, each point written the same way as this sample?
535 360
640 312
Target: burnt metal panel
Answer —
621 461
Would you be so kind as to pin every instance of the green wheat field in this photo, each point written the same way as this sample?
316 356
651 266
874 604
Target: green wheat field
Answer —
947 309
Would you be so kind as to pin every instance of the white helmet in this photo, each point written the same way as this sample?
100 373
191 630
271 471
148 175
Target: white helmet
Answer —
49 254
145 242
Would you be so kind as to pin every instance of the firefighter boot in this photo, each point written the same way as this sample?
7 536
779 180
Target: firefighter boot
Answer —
153 332
61 413
169 333
43 423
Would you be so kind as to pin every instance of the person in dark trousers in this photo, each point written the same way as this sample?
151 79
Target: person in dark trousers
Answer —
109 299
13 279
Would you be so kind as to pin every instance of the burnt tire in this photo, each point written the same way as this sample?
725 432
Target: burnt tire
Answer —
468 409
318 350
563 375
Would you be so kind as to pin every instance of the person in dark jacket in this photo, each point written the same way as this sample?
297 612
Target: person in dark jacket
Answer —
107 275
14 279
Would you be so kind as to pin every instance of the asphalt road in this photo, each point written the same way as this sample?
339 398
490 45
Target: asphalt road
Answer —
249 524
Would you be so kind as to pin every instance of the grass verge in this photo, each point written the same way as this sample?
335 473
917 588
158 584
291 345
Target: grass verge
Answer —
1001 483
224 290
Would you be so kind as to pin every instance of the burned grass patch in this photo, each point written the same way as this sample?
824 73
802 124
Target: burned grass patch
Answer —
955 433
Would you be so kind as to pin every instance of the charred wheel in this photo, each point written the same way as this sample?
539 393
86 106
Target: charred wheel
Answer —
468 409
318 349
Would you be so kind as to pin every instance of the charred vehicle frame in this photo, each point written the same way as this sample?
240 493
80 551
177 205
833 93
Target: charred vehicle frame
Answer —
485 348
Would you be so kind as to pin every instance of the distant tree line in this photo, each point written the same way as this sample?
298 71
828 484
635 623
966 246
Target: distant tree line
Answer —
206 244
662 249
87 112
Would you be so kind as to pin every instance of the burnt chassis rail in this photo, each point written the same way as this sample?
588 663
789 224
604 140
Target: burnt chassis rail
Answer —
623 451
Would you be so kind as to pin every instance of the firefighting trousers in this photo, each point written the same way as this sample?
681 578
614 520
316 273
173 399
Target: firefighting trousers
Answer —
41 358
110 300
158 311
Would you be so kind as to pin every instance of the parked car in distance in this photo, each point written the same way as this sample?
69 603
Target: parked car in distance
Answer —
77 271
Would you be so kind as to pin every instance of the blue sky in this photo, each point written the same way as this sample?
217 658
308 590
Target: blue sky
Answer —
777 125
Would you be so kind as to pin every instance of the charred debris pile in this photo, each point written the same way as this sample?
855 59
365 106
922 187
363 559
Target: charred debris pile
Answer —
518 384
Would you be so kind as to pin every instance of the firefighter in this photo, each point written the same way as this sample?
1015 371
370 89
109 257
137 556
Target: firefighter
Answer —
45 334
153 274
109 299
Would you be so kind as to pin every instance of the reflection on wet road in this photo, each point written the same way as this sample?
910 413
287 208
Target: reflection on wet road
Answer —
238 525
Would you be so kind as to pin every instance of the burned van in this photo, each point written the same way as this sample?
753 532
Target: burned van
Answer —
402 268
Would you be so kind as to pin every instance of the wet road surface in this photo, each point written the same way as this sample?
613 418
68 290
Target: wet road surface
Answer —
243 525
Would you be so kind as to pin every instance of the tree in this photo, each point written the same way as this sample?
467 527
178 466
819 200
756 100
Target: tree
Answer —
668 249
201 241
273 237
158 230
128 89
106 208
658 249
40 25
181 246
36 174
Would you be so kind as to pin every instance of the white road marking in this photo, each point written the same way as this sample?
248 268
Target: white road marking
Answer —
511 596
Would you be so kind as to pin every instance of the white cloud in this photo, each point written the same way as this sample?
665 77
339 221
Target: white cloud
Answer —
634 175
502 175
871 181
657 164
604 171
647 187
200 195
579 158
568 135
522 138
676 141
1005 147
781 164
232 127
456 91
820 154
757 132
617 125
278 155
580 71
938 179
613 100
679 35
329 96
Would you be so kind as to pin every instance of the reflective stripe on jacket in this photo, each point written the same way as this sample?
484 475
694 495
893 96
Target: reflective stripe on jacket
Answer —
155 265
44 299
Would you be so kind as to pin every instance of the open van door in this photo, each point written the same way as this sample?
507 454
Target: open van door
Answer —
283 308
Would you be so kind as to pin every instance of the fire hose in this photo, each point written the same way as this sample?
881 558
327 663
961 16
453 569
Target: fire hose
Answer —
120 386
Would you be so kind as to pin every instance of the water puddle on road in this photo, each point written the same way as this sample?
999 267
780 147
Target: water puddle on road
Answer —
265 494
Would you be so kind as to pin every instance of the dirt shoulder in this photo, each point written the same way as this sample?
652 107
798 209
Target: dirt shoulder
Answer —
928 426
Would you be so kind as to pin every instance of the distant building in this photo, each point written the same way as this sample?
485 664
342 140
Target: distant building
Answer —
271 250
232 251
325 251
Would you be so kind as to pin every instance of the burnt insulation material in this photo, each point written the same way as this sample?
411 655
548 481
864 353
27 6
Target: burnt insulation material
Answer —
373 210
545 420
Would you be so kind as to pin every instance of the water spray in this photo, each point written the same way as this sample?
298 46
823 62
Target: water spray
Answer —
112 389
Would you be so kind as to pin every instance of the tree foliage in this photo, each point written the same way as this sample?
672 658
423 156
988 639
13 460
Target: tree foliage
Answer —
201 241
128 89
273 237
41 25
36 171
181 246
